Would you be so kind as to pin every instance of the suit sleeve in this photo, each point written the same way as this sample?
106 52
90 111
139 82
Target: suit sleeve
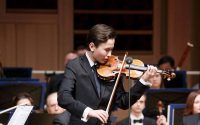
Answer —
62 119
66 93
136 92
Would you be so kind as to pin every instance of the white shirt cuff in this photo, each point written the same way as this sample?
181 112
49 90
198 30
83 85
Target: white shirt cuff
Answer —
145 83
85 114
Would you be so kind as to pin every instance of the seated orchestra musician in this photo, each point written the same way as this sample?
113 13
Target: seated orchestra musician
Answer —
138 118
192 109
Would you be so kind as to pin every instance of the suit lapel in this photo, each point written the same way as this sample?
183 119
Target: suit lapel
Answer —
145 122
86 66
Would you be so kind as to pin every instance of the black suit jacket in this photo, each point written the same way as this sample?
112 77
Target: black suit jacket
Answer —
62 119
78 91
146 121
191 120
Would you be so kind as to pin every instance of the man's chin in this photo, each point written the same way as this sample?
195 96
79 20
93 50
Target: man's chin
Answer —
103 62
138 111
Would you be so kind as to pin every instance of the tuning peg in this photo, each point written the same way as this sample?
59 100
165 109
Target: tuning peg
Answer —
168 79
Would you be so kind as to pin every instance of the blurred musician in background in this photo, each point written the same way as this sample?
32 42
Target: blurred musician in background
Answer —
23 98
61 116
192 110
138 118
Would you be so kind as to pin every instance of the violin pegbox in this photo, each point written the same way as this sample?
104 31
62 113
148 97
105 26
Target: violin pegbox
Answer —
168 74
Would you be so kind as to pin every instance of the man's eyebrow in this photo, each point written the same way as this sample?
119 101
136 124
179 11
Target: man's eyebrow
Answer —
110 48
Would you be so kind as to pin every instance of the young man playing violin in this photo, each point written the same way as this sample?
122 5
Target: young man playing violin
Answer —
84 95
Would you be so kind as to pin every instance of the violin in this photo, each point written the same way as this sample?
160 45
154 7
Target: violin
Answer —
109 70
114 67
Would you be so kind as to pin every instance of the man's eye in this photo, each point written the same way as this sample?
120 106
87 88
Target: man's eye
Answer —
108 50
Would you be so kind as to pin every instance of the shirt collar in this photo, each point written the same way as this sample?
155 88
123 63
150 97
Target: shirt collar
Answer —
132 117
89 59
141 116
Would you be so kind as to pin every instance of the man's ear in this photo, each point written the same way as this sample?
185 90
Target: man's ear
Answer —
92 46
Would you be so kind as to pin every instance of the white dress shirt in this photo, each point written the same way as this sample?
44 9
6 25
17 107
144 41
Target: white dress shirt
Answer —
136 118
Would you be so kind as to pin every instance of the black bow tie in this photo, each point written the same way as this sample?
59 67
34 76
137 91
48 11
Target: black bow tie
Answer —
139 121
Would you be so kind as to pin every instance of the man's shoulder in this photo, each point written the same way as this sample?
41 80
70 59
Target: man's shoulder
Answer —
123 121
74 62
62 118
150 121
148 118
78 60
191 117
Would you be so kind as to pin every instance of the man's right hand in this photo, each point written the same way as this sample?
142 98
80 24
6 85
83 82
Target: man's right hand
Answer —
99 114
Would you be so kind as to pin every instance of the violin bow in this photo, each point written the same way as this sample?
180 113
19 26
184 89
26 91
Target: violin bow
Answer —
116 83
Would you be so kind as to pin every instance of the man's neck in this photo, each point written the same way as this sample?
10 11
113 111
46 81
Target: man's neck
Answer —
136 114
90 58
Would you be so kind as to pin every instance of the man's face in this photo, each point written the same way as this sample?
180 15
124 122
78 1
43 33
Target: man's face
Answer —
139 106
103 51
52 105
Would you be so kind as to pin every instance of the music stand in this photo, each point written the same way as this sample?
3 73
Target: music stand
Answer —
40 119
178 82
4 118
167 96
17 72
20 115
9 89
175 114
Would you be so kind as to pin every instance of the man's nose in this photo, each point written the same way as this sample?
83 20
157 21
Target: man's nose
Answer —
109 53
154 78
56 107
137 103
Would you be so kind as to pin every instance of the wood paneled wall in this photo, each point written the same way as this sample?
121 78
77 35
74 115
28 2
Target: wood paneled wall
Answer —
38 40
179 29
27 42
41 40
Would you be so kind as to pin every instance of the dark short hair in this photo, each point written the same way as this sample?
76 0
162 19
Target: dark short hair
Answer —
100 33
166 59
23 95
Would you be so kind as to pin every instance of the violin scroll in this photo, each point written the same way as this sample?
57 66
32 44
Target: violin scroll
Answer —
168 75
